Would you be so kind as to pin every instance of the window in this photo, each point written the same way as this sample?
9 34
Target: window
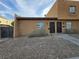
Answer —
72 9
40 25
68 25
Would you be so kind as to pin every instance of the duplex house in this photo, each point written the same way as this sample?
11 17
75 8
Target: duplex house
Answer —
67 14
63 17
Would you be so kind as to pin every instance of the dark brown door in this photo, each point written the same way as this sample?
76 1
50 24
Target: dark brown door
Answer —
52 27
59 27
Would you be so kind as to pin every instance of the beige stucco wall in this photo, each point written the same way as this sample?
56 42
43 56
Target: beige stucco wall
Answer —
74 26
16 29
53 12
63 9
25 27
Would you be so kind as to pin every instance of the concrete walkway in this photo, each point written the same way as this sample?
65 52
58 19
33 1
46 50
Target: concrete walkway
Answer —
4 40
69 38
74 58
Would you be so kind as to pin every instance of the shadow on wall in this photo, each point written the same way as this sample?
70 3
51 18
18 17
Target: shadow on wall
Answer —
38 33
6 31
74 31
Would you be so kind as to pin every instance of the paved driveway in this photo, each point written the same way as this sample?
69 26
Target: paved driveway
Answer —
73 38
70 38
50 47
74 58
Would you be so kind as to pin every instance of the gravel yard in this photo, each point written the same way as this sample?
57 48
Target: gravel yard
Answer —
38 48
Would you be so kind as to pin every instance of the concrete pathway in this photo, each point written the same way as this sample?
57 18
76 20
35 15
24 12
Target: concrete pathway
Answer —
74 58
69 38
4 40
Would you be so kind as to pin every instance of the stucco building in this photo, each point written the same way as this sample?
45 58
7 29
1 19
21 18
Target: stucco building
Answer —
63 17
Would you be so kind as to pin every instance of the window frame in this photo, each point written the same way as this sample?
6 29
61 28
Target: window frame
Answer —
71 11
69 25
40 25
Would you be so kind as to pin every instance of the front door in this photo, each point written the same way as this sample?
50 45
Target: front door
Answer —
59 27
52 27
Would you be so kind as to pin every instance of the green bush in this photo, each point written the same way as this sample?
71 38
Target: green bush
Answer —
38 33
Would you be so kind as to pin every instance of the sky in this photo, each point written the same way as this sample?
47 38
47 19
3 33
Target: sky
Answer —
25 8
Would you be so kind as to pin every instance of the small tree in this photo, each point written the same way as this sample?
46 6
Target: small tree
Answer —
12 23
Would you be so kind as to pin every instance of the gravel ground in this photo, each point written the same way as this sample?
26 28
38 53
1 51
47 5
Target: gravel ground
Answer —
38 48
